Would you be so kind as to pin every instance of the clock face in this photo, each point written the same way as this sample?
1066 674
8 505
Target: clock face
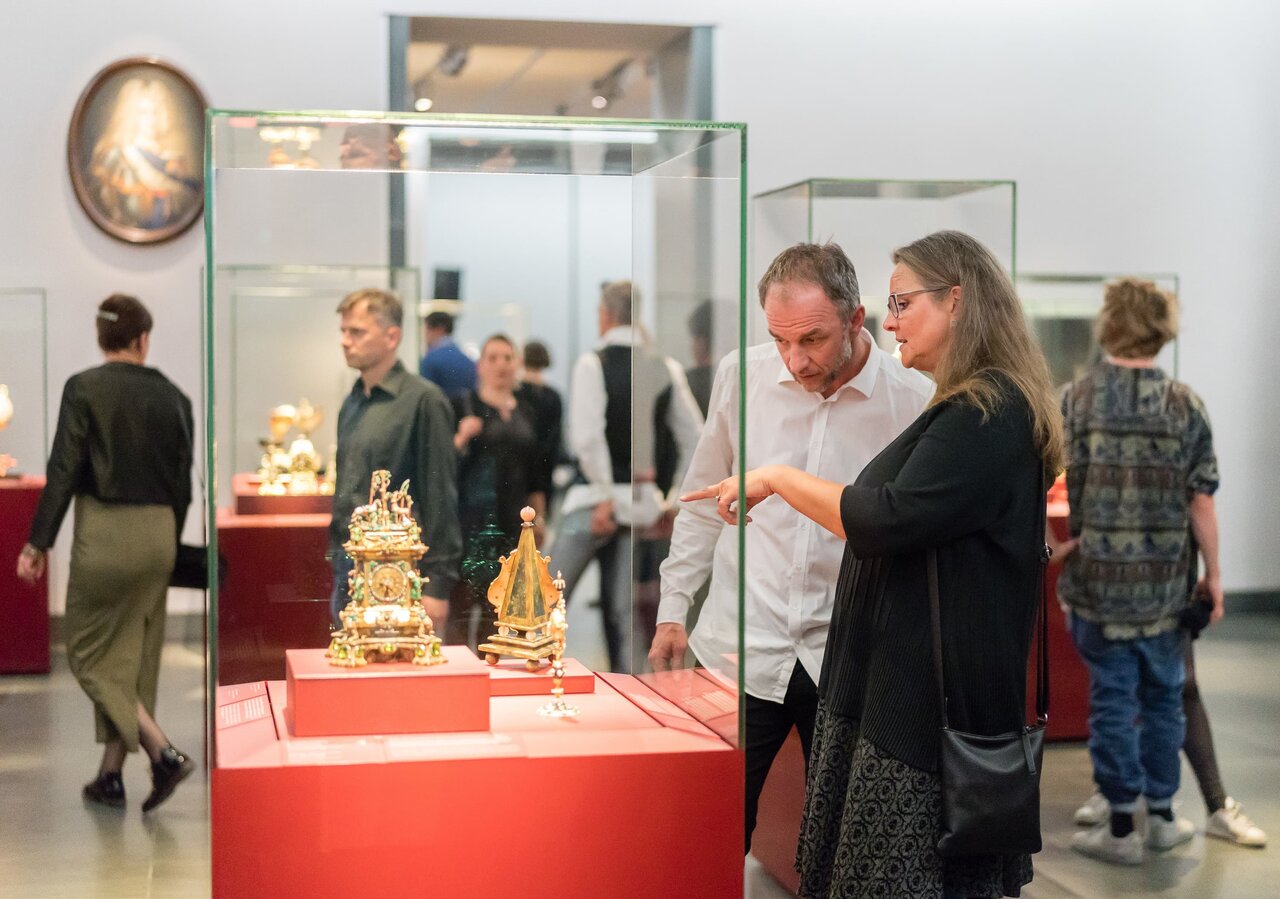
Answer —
388 583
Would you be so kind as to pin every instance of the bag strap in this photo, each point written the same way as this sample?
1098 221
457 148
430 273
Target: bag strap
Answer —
1042 641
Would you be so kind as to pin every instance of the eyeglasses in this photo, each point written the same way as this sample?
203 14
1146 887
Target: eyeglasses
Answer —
895 304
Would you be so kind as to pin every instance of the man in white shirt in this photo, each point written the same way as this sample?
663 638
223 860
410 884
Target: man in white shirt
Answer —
823 398
633 425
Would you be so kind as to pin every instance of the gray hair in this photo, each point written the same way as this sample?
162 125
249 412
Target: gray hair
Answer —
384 305
825 265
617 298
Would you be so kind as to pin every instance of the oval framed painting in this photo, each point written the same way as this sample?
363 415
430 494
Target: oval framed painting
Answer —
136 150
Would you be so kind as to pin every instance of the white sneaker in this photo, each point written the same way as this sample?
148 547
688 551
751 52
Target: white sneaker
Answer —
1163 835
1095 810
1100 844
1230 824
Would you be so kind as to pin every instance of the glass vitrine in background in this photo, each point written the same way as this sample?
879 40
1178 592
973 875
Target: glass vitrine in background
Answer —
872 218
281 340
24 445
1062 309
24 400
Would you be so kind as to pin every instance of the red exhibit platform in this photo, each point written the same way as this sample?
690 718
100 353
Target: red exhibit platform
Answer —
250 502
620 802
275 595
24 639
510 677
398 698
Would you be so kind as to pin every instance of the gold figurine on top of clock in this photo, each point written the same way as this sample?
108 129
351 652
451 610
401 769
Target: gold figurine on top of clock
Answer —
385 621
524 596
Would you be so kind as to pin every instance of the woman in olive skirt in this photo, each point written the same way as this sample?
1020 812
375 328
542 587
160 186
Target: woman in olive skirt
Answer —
122 452
965 479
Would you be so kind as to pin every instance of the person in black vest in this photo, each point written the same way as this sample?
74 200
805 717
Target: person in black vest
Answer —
633 425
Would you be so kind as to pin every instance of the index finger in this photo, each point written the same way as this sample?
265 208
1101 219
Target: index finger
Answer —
705 493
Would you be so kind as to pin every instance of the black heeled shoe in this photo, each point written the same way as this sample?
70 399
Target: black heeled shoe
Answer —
105 789
172 769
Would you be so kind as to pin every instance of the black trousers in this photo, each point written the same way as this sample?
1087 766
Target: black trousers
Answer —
768 724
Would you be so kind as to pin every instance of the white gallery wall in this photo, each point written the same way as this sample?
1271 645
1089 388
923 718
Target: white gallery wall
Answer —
1143 135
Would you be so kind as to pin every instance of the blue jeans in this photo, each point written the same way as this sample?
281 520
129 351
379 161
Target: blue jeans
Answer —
1136 723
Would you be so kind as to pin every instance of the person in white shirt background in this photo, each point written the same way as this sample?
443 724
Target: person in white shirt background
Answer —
823 398
614 511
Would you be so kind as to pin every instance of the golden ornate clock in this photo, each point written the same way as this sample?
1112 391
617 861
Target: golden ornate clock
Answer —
384 621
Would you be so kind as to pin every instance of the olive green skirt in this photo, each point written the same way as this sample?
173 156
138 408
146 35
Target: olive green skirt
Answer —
121 560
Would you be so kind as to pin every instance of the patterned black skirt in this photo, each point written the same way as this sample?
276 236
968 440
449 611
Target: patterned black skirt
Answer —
871 828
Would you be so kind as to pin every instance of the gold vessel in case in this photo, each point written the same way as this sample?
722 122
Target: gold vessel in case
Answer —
524 595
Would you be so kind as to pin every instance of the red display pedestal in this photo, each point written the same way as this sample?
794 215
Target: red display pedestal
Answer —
510 678
399 698
1068 676
780 811
250 502
276 592
613 803
24 639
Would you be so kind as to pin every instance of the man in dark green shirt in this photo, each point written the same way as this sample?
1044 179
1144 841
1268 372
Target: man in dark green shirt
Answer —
394 420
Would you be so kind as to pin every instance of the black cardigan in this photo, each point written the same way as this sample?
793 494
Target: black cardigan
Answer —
124 436
972 489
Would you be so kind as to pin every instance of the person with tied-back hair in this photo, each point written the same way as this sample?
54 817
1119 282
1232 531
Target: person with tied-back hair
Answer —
122 451
1140 479
966 479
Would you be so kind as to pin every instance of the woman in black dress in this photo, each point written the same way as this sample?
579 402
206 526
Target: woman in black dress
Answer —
964 479
498 475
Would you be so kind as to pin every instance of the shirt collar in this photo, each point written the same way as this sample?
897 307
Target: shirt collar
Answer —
864 381
619 335
390 385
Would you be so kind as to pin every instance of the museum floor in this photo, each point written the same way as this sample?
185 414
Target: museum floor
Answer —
52 846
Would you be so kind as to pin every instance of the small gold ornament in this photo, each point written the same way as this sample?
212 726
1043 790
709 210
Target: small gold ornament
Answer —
523 595
385 621
297 470
559 624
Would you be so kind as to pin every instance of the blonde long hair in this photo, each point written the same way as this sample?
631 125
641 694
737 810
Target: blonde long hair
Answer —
990 335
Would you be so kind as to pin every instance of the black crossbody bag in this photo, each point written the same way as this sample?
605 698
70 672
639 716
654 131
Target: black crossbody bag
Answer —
991 784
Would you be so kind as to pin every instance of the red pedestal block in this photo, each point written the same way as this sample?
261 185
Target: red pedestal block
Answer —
510 678
250 502
24 639
396 698
1068 676
275 595
609 804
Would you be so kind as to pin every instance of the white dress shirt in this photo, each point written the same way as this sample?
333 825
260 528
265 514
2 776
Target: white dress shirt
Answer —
792 563
637 505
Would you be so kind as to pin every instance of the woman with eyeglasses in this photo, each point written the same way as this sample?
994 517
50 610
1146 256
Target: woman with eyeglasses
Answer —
967 480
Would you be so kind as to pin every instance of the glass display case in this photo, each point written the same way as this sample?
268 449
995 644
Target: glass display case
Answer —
24 445
520 224
1062 308
872 218
24 400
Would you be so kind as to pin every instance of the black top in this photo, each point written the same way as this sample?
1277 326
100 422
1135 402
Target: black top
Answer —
404 425
972 490
124 436
498 470
547 411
